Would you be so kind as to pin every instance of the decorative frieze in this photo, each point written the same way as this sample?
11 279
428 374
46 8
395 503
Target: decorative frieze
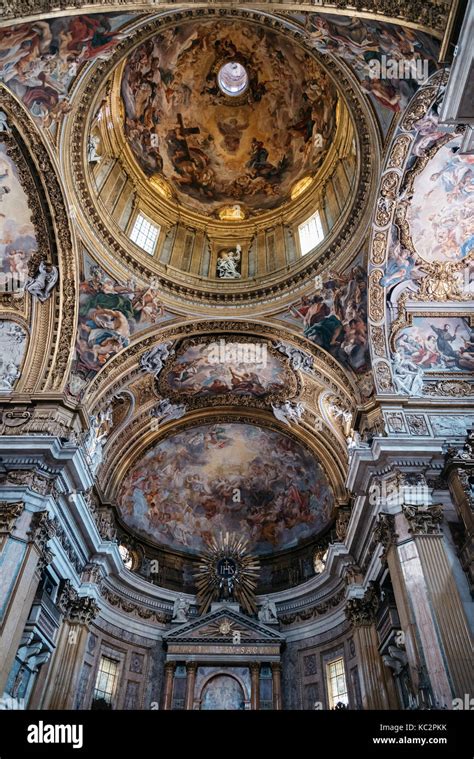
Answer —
34 480
313 612
129 607
67 545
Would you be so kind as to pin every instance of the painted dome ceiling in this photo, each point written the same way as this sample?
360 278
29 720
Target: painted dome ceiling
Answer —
227 112
236 477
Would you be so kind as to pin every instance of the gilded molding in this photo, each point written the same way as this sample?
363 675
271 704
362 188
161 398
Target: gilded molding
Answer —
428 16
56 319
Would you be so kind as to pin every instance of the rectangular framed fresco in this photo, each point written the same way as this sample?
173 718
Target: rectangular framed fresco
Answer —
440 342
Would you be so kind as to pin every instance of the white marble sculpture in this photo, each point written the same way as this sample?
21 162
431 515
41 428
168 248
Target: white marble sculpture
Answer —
298 358
340 412
287 412
41 285
165 411
96 438
180 610
12 347
153 360
268 612
227 265
407 376
92 145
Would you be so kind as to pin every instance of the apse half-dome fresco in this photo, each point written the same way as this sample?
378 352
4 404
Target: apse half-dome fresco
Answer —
234 477
227 112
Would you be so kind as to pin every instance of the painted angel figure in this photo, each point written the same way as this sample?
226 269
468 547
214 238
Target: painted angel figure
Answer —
4 122
41 285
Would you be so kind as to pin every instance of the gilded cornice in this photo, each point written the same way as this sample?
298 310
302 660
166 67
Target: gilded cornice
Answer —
430 16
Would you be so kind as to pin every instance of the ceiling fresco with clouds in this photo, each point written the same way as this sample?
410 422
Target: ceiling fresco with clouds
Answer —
231 477
214 148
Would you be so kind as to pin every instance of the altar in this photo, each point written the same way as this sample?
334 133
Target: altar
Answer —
223 660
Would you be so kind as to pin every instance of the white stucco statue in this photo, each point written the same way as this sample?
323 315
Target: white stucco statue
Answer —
267 612
180 610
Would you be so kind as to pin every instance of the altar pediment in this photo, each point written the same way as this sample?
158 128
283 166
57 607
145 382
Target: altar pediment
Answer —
225 632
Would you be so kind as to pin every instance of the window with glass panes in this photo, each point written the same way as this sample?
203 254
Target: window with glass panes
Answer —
145 234
310 233
337 687
106 679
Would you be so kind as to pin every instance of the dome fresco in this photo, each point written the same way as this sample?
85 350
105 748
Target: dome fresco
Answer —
249 146
232 477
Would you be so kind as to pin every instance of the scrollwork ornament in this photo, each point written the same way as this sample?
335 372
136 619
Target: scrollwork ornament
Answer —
379 245
376 296
449 388
399 151
384 211
377 339
389 185
424 520
384 377
419 106
443 282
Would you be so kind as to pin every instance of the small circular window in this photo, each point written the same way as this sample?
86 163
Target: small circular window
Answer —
232 79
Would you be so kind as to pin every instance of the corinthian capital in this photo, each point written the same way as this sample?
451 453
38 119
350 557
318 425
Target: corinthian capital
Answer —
82 610
424 520
9 513
363 611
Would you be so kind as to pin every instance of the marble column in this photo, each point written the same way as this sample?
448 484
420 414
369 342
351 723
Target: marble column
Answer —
445 634
377 687
63 677
23 556
170 667
191 669
276 684
255 685
459 471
